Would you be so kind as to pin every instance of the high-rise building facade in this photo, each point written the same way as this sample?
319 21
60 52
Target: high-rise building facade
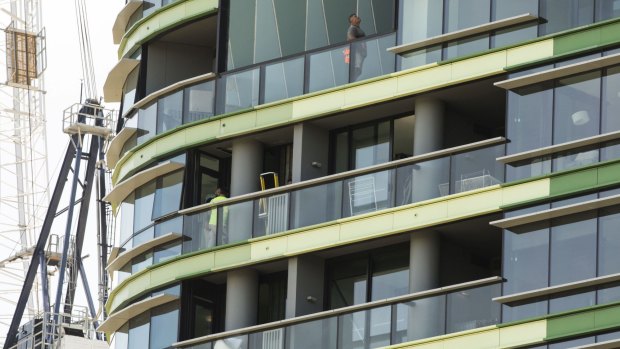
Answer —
425 174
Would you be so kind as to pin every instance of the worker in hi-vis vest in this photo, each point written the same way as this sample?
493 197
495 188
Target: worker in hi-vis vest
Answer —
220 195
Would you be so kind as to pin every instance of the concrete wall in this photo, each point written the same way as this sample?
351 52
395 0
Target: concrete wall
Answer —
310 144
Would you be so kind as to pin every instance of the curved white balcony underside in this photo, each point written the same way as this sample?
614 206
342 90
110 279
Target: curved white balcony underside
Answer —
120 24
123 258
117 319
116 145
113 86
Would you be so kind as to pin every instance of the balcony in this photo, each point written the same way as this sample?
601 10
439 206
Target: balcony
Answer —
376 324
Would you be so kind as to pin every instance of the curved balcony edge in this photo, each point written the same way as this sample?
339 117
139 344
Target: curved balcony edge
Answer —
122 19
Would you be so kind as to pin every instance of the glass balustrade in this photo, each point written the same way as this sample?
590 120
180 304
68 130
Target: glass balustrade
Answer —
379 326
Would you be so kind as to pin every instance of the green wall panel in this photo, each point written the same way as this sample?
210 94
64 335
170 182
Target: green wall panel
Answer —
609 174
574 181
577 41
583 322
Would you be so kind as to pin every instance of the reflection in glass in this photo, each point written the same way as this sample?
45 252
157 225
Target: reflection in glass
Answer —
372 58
573 248
198 233
463 14
140 262
421 318
575 158
528 121
467 46
147 123
520 311
165 321
510 8
166 252
313 334
420 57
271 214
238 91
565 14
419 20
314 205
199 102
129 90
526 256
328 69
380 326
528 168
561 303
139 331
235 223
143 205
352 328
576 107
476 169
469 309
606 9
267 39
423 181
126 226
609 241
611 99
168 194
284 80
169 111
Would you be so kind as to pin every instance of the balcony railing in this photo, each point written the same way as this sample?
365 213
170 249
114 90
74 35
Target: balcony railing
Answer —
358 192
376 324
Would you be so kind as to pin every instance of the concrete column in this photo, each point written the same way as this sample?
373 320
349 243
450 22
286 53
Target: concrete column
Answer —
425 315
247 165
241 298
310 146
428 133
304 293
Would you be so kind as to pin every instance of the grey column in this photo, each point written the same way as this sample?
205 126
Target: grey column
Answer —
305 286
247 165
425 317
242 285
310 146
241 298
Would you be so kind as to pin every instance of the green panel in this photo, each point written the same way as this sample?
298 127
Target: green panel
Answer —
570 325
577 41
610 33
574 181
607 317
609 174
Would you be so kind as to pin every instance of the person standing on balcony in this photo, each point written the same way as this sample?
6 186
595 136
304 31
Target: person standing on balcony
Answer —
220 195
355 32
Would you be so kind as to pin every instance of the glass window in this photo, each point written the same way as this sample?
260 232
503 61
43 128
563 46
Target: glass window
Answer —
313 334
143 206
119 341
575 158
420 57
476 169
572 343
609 241
510 8
421 318
284 80
423 181
370 58
573 248
139 331
328 69
129 90
520 311
576 107
317 204
347 285
147 123
565 14
169 111
166 252
606 9
238 91
463 14
526 258
174 225
611 100
469 309
562 303
266 41
168 193
529 122
390 277
467 46
419 20
165 321
199 102
126 226
140 262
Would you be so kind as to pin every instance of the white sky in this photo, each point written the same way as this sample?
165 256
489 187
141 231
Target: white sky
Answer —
62 82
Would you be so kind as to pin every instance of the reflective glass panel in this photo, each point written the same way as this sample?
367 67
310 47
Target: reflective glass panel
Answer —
199 102
143 206
565 14
472 308
526 256
313 334
528 123
611 100
317 204
370 58
139 331
421 318
238 91
147 123
609 241
573 248
168 193
329 69
577 107
169 112
284 80
165 321
476 169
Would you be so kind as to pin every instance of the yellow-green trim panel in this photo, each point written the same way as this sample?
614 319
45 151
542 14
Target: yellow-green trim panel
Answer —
163 19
